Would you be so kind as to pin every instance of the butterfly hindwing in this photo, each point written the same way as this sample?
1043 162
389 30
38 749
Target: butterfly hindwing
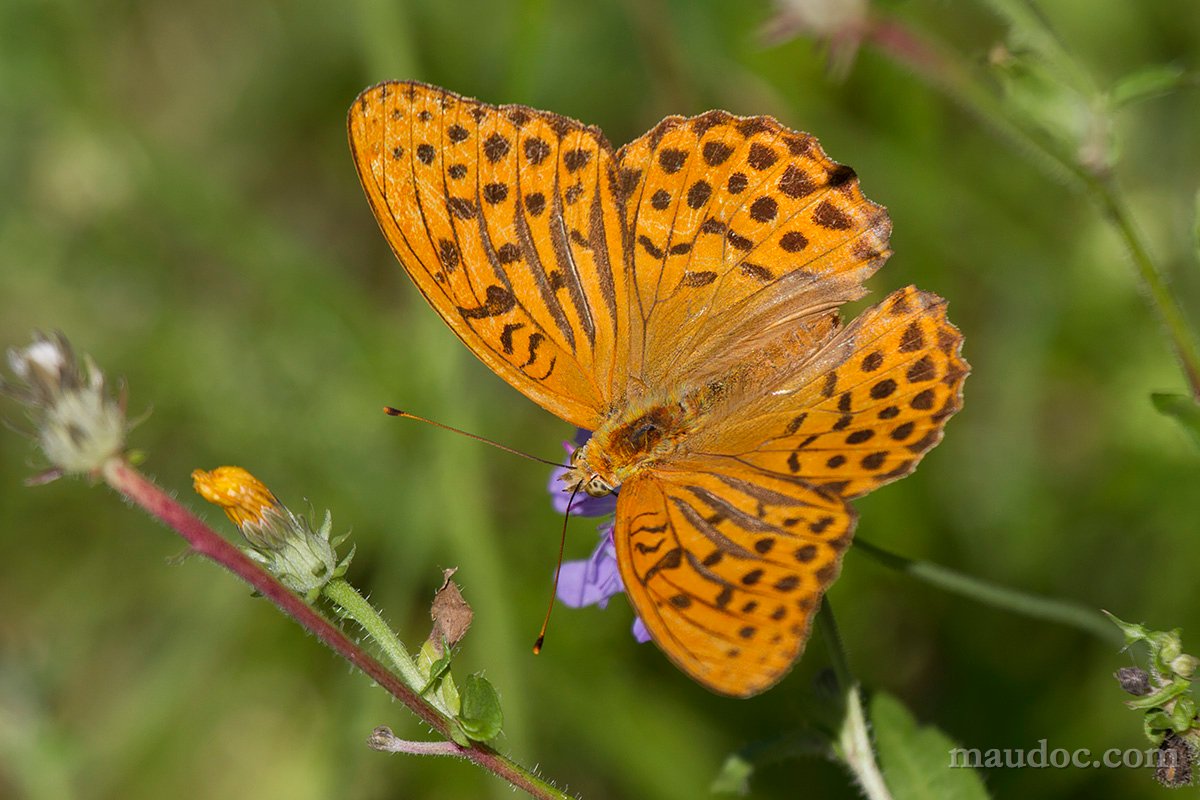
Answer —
506 220
866 408
727 567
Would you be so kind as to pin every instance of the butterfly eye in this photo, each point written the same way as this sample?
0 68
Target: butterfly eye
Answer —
597 487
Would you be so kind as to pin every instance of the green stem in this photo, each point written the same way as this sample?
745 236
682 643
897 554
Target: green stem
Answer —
383 739
1064 612
1172 315
853 744
943 69
854 740
205 542
833 641
355 606
1026 17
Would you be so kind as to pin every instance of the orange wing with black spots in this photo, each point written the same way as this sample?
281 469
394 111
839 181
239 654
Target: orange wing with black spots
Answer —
726 567
738 227
727 548
679 298
866 407
506 220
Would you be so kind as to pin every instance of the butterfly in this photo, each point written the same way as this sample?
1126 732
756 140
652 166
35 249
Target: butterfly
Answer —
679 298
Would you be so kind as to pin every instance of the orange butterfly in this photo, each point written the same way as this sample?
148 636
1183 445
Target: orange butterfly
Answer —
679 298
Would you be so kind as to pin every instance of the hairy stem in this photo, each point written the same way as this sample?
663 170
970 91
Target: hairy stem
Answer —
202 540
833 643
853 737
946 71
1181 335
1064 612
355 606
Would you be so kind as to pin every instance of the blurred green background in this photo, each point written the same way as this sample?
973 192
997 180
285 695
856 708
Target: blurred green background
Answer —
176 194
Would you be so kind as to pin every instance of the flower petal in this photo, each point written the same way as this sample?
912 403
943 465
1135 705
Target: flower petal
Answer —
594 580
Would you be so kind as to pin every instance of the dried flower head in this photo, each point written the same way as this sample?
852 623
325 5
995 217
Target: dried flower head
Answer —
1176 760
451 614
1134 680
78 423
303 559
839 24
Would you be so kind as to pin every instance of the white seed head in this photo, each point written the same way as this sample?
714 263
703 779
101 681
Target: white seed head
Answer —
79 424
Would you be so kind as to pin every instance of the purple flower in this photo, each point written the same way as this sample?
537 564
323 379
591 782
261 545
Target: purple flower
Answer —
591 581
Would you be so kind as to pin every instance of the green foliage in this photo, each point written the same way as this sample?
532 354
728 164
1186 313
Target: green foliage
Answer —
739 768
1149 82
480 717
914 757
1182 409
1196 228
1166 699
734 776
179 199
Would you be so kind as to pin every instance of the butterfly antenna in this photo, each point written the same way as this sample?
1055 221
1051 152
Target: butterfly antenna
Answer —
562 544
395 412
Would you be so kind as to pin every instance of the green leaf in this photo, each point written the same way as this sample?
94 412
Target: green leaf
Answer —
459 736
1183 408
1147 83
739 767
1196 229
481 717
437 670
734 777
1037 95
916 761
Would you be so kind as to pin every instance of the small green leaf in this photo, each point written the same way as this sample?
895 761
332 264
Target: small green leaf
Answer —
1196 229
448 690
1183 408
437 670
1034 92
739 767
919 762
1147 83
459 736
1132 631
734 777
1183 714
481 717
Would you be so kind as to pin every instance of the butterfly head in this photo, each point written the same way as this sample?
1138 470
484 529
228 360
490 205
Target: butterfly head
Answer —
583 477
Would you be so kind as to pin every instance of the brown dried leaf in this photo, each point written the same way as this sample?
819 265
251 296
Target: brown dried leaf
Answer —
451 614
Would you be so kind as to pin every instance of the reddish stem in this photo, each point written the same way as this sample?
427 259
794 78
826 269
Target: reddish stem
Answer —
206 542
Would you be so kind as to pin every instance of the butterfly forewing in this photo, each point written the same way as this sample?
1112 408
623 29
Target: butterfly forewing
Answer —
505 219
726 567
738 225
